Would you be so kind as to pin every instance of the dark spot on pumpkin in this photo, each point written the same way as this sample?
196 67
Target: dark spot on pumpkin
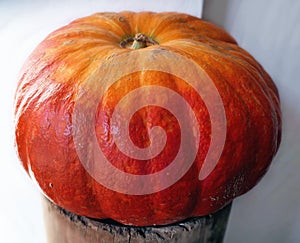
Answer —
51 185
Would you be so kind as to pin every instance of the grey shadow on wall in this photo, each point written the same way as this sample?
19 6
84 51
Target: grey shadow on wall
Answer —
269 30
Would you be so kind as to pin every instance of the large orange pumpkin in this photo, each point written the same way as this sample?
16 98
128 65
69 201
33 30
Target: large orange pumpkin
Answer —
67 96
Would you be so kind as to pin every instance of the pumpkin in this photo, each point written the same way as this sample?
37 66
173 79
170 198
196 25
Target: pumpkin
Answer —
147 159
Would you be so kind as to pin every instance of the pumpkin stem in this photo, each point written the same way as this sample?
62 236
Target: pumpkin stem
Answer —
138 41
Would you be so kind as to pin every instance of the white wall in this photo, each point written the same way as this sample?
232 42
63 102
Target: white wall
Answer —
269 30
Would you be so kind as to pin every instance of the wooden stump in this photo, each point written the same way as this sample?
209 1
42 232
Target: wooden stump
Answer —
65 227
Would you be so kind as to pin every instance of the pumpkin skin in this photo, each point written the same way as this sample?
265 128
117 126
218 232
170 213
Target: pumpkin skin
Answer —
51 80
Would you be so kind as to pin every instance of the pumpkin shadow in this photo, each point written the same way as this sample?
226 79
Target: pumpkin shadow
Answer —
271 211
217 11
273 205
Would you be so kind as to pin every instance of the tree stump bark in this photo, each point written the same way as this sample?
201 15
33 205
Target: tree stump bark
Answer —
65 227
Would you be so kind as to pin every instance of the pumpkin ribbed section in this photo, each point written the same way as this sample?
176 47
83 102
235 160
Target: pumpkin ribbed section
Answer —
57 99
